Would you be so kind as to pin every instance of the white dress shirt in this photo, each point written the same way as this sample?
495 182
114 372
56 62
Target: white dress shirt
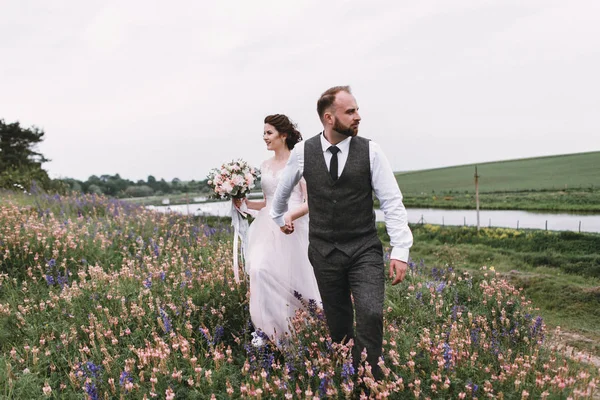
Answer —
384 185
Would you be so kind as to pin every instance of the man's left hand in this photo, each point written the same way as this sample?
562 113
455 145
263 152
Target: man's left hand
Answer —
287 229
398 268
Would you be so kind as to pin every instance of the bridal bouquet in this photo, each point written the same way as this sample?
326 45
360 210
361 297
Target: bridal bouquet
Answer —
232 180
235 180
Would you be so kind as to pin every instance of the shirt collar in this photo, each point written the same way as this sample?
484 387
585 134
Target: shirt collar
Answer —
344 145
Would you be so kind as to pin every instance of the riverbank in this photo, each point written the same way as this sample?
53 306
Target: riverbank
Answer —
568 200
179 199
490 218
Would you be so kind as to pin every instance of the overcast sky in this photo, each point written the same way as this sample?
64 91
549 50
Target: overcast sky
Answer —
174 88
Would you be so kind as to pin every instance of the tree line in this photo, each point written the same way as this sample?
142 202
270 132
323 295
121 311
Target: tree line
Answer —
21 167
115 186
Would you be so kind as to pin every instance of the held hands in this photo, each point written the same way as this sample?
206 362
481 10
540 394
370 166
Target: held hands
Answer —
289 225
398 268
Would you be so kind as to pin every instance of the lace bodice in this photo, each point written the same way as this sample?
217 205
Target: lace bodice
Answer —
269 181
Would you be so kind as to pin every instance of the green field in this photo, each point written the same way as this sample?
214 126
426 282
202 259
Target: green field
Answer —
581 170
571 200
568 182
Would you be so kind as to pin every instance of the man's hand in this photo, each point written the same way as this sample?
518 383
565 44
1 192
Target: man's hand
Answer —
289 224
398 268
287 229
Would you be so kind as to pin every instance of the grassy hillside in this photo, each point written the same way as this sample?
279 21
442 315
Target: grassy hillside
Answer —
581 170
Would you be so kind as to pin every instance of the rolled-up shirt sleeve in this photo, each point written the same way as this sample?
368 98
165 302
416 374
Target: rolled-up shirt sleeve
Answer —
387 191
291 175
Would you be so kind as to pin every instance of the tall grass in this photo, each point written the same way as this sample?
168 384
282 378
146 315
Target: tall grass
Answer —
99 299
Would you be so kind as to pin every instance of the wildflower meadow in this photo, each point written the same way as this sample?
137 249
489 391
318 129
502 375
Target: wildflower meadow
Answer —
100 299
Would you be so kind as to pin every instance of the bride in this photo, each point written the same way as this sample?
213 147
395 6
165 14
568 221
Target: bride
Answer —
278 264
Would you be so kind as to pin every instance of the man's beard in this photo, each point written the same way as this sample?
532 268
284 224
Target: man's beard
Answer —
344 130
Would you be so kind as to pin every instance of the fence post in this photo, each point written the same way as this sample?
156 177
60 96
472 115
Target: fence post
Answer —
490 223
464 221
579 226
477 195
442 221
546 224
517 224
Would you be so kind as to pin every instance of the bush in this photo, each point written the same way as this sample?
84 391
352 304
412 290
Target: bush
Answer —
139 191
24 178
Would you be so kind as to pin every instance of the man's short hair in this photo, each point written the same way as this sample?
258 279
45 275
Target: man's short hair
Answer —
328 97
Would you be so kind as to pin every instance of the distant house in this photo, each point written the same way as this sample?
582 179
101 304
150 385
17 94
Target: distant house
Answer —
166 201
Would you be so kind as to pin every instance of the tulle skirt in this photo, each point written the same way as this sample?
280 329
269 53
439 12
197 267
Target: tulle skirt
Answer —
279 270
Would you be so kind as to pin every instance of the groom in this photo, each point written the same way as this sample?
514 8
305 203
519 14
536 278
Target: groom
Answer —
342 170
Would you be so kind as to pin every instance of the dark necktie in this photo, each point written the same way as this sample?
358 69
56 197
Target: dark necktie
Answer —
333 166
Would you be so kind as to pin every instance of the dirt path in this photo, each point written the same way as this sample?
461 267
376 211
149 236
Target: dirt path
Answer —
560 340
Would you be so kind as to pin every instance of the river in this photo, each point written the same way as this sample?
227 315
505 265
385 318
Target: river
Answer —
494 218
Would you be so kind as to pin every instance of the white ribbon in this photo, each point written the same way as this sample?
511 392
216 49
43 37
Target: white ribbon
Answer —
240 228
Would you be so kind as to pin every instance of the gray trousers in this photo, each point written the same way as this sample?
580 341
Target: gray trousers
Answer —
362 276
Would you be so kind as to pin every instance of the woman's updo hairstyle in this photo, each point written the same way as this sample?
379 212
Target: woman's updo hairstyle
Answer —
285 126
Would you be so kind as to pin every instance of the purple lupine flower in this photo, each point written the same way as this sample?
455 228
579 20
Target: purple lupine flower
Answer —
440 287
495 343
475 335
323 386
63 279
454 312
92 391
219 332
537 327
125 378
347 370
412 265
289 367
312 307
166 321
93 370
49 279
447 355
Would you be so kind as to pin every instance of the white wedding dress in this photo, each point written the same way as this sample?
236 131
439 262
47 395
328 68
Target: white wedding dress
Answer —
277 264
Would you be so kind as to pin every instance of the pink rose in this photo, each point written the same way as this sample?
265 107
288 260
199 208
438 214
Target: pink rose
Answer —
227 187
238 180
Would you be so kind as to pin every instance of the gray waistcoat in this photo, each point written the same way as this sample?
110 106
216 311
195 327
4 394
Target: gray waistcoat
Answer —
341 212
